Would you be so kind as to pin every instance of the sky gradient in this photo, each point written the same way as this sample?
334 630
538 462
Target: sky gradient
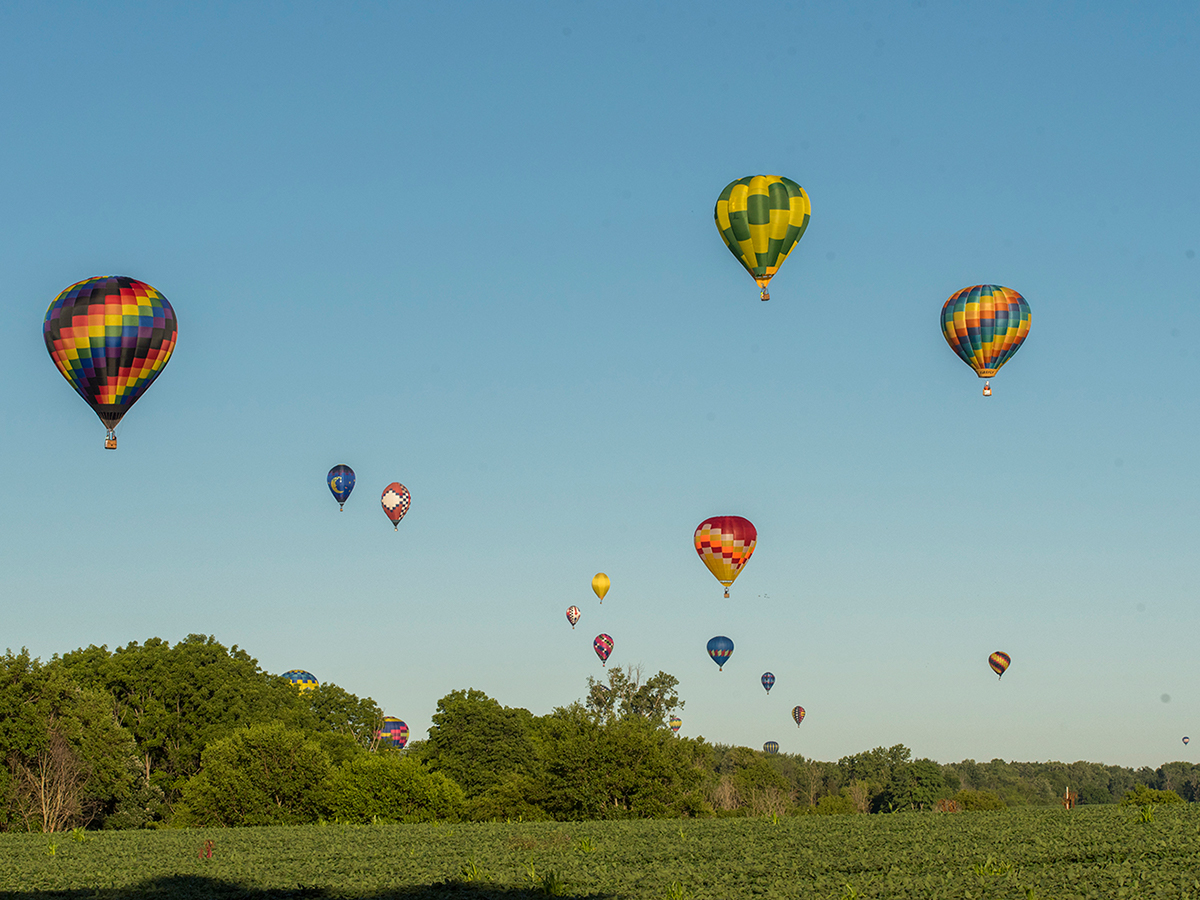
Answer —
470 248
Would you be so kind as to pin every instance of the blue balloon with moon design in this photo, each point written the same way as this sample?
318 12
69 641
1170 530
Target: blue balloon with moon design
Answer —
341 482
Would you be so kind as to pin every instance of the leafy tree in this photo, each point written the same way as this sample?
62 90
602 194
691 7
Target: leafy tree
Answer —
66 755
478 743
335 710
977 800
259 775
915 785
388 787
626 695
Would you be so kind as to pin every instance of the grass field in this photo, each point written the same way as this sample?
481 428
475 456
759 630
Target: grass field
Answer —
1100 852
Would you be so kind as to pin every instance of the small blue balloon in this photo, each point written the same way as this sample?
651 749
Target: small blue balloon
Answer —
341 482
720 648
768 681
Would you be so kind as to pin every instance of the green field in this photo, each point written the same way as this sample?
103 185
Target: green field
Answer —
1102 852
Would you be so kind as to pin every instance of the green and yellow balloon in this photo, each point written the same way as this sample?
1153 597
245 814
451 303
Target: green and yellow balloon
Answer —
761 218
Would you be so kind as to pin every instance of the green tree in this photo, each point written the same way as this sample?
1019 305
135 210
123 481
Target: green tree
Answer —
913 785
478 743
627 695
67 757
259 775
388 787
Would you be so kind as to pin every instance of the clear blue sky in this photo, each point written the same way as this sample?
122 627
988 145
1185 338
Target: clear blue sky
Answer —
470 248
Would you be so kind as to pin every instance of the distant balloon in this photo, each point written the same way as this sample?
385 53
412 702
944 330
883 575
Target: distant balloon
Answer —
999 661
600 585
985 325
761 217
720 649
771 748
798 714
1186 740
603 645
572 615
341 482
110 337
305 681
676 724
394 733
768 681
396 501
725 544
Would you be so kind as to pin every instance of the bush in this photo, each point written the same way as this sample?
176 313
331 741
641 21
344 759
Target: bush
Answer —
389 787
971 800
835 804
1144 796
261 775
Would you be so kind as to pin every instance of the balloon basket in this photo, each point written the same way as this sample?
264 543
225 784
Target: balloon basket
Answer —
987 389
726 593
763 294
110 441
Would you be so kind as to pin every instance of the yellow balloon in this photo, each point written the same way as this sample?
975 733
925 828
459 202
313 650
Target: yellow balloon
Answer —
600 585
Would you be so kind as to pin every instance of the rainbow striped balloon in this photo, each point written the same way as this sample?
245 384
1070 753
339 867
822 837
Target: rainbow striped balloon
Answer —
985 325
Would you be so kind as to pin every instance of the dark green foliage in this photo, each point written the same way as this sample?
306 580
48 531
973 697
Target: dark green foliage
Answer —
387 787
626 695
261 775
478 743
978 800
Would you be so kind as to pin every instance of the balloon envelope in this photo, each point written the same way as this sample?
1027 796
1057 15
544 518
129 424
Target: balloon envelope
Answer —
572 615
305 681
985 325
771 747
676 724
341 482
1186 740
396 501
999 661
720 648
600 585
768 681
393 733
798 714
603 645
761 218
725 544
110 337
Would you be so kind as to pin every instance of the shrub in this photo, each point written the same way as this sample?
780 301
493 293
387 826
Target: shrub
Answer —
1141 795
972 800
389 787
835 804
261 775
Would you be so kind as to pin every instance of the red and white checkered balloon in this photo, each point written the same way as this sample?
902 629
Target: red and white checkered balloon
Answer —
396 500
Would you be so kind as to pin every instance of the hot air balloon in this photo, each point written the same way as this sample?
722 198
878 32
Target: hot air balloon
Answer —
396 501
676 724
600 585
341 482
110 337
393 733
761 217
572 615
720 649
1186 740
771 748
725 544
768 681
999 661
305 681
603 645
798 714
985 325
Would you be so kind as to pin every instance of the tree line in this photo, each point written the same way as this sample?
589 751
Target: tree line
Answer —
153 735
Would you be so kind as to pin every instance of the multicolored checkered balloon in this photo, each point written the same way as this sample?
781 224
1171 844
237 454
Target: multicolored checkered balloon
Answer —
305 681
720 649
768 681
395 500
985 325
572 615
393 733
798 714
603 645
110 337
725 544
761 217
